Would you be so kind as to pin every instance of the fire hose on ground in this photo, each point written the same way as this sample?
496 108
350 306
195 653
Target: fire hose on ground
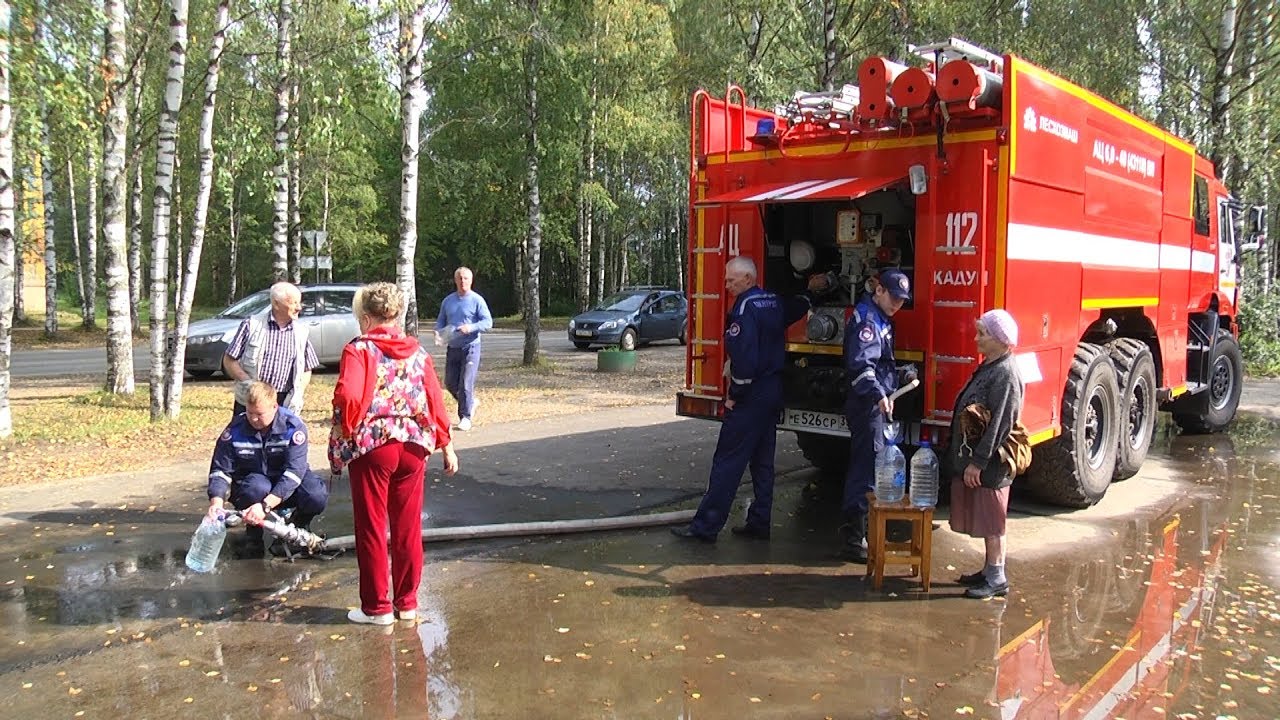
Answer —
521 529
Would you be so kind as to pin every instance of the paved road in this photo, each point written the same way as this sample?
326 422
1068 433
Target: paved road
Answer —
93 361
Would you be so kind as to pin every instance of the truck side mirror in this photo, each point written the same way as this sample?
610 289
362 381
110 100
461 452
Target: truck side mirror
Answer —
1255 229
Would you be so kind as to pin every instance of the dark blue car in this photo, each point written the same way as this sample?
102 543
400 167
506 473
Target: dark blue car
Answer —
631 317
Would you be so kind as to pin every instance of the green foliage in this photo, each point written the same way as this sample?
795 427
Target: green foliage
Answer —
1260 332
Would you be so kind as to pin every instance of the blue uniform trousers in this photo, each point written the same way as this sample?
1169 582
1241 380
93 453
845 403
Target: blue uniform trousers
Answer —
308 500
461 364
748 437
866 440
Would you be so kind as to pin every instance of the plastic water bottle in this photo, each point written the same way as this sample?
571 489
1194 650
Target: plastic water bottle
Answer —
206 543
924 476
891 474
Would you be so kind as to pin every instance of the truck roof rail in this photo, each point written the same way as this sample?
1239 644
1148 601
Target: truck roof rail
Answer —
954 48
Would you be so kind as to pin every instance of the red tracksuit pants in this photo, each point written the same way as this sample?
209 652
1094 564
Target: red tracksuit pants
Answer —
386 488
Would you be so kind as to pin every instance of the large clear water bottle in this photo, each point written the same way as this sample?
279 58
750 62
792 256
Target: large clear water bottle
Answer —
924 476
206 543
891 474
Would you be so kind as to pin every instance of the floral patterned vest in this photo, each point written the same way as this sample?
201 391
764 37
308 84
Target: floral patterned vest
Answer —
399 410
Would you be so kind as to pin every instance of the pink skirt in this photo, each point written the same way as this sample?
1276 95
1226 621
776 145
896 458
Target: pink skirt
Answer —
978 512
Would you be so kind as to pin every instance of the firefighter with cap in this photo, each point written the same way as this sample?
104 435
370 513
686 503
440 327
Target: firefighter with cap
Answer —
755 342
260 464
872 376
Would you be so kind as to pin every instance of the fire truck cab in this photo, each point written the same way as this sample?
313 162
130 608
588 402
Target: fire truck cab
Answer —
991 183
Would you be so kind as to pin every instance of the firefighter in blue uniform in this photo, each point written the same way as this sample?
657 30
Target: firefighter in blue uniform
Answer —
873 376
755 342
260 465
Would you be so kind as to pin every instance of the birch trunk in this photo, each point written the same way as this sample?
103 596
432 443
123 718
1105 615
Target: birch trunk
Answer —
114 198
135 206
295 186
233 248
162 198
585 205
412 95
19 306
533 249
200 216
175 232
827 75
50 201
75 235
1220 112
280 214
91 239
7 248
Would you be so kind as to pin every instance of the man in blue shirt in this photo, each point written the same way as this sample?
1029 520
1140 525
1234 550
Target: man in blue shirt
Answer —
260 464
463 316
755 343
873 376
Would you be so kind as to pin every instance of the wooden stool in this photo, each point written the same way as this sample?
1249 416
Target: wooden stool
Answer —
915 553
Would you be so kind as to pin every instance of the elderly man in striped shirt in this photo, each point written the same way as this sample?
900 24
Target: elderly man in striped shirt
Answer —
270 347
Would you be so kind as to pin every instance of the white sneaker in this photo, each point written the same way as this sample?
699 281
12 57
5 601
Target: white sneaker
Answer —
358 616
407 614
464 424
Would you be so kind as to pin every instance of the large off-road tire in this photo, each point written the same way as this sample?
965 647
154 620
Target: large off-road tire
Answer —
1136 375
1226 380
1075 469
628 340
828 453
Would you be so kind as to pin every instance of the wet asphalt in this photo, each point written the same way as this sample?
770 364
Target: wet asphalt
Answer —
1159 602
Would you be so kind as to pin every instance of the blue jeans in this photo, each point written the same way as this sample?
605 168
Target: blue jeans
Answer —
461 364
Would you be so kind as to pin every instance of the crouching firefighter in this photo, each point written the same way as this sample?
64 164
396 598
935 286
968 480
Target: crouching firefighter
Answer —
260 466
873 377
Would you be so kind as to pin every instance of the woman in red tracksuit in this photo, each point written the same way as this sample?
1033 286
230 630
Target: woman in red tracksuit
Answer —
388 416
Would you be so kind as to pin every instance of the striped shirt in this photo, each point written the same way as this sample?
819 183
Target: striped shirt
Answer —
276 368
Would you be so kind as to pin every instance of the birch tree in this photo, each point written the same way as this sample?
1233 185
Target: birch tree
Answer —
90 268
295 183
119 331
162 201
412 94
135 201
280 206
200 217
6 220
533 247
75 232
50 200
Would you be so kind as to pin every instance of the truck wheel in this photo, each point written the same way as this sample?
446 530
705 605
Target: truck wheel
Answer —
1075 469
628 340
1136 375
828 453
1226 380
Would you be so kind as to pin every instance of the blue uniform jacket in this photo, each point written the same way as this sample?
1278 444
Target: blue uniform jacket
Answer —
755 339
279 452
868 353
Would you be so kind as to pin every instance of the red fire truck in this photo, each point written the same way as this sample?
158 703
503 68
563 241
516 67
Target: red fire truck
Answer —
993 184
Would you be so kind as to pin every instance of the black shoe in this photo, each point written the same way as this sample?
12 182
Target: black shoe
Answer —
746 531
986 590
853 552
684 531
972 579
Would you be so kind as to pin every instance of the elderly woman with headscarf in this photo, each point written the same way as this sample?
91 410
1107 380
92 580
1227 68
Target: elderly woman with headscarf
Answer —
981 474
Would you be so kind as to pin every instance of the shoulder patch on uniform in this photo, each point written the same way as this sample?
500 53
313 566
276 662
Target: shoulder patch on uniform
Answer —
734 329
299 437
226 434
866 334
